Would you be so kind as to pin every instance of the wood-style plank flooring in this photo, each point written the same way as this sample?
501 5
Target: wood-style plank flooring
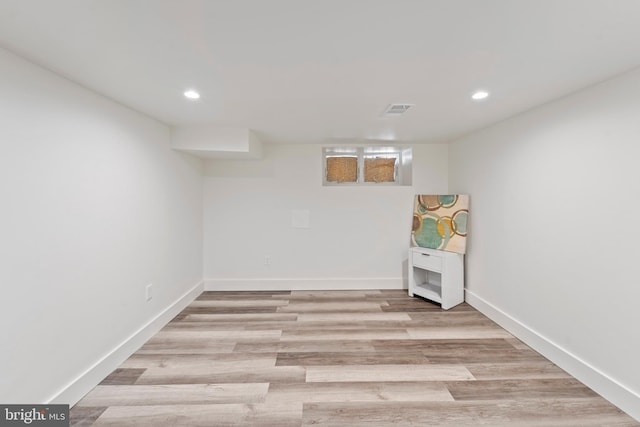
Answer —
338 358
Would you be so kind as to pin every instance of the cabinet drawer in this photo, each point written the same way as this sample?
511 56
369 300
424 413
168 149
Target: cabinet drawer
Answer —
427 261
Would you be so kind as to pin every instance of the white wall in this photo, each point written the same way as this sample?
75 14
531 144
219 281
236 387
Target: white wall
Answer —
357 236
95 205
553 246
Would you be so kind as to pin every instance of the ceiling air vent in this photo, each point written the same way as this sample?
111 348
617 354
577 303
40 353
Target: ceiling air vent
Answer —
394 110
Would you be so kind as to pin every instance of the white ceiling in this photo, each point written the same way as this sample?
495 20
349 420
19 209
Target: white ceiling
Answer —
323 70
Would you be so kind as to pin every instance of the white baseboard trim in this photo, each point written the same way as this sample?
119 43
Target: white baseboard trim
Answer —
303 284
78 388
609 388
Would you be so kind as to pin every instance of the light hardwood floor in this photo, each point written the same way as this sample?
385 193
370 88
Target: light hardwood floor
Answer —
338 358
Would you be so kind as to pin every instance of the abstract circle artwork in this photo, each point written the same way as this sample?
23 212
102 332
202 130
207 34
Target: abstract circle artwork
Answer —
440 222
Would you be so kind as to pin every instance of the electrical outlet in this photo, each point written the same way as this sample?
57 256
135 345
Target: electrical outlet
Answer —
149 292
267 260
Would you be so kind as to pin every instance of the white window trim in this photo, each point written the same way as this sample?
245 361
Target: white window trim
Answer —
402 167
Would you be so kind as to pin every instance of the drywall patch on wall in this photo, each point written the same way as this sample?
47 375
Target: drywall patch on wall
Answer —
300 218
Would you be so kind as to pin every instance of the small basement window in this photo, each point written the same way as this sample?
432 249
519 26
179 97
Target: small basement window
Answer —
366 166
341 166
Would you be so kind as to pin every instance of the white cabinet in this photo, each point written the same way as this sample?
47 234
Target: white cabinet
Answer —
437 276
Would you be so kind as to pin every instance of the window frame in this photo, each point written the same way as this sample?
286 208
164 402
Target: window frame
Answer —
362 152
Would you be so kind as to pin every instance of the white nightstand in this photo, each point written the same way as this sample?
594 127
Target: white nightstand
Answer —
437 276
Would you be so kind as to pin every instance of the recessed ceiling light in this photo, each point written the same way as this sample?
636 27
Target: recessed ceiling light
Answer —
191 94
480 95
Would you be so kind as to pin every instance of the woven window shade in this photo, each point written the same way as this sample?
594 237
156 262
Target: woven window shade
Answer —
379 170
342 169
